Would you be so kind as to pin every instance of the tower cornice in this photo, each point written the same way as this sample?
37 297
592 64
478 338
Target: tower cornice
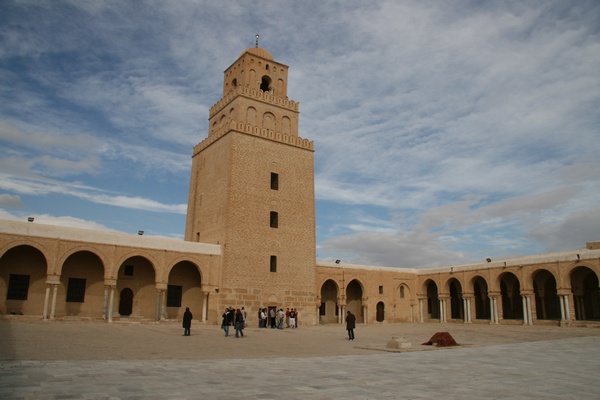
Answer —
254 94
247 129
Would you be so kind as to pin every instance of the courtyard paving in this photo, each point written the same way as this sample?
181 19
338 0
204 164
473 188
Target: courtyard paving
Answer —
128 360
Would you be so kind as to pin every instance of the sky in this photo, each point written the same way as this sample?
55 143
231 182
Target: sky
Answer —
445 132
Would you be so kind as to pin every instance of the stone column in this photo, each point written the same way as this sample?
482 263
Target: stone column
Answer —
46 301
469 302
494 315
421 315
111 302
525 317
205 306
567 308
163 304
467 310
527 320
529 315
54 296
561 300
105 303
157 315
565 315
444 304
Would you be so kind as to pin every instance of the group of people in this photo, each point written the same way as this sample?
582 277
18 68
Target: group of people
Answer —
278 318
237 318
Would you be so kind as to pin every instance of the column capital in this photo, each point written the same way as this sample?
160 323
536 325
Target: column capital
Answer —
110 282
53 280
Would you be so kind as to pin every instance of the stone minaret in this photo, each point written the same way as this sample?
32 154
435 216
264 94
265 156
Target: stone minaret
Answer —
252 191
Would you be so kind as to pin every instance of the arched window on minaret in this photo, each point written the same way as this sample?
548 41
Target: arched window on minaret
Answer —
268 121
286 126
251 116
265 84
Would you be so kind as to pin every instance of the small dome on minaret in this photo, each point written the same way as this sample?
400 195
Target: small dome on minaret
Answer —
260 52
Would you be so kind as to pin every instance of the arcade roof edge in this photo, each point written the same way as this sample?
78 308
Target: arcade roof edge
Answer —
36 229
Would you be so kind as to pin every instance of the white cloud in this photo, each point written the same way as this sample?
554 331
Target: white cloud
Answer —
7 200
41 187
65 221
451 128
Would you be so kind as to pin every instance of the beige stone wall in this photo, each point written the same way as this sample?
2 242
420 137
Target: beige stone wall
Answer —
399 306
48 255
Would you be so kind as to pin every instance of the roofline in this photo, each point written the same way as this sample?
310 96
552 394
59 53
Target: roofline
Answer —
36 229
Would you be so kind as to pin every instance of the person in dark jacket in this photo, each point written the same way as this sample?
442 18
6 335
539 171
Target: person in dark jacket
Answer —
187 321
350 325
239 323
227 319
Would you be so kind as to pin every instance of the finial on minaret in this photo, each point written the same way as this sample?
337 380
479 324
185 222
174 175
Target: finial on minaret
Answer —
257 40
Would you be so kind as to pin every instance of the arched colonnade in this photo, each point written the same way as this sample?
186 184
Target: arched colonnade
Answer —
510 295
95 280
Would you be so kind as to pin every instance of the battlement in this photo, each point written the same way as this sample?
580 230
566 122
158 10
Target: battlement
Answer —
255 94
248 129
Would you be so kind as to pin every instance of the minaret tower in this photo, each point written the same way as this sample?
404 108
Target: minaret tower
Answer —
252 191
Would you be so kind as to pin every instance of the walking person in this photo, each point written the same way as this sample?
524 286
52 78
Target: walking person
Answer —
187 321
350 325
263 318
226 321
280 318
292 318
272 316
238 322
244 315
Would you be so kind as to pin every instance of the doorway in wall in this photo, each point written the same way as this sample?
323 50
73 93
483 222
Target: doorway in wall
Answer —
126 302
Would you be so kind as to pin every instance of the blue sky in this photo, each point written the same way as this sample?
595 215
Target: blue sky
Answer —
445 132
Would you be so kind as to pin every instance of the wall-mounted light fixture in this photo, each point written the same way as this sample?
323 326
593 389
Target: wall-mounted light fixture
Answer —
31 219
217 289
488 259
140 233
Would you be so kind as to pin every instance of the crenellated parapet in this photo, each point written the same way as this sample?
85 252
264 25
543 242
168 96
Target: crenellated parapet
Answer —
248 129
257 94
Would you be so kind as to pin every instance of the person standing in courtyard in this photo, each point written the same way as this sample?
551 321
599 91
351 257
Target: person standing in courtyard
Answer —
350 325
280 318
238 322
227 318
273 315
187 321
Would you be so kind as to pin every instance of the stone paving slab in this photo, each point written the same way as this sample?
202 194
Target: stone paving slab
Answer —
505 363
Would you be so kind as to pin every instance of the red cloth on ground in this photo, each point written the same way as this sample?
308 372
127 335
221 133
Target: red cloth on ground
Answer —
443 339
